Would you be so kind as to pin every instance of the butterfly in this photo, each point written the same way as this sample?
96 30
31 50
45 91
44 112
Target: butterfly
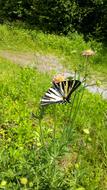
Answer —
60 92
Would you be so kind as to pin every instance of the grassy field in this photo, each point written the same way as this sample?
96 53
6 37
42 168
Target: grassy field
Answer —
63 146
68 49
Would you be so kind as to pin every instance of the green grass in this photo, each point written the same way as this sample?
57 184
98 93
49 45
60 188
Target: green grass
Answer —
49 151
67 48
81 163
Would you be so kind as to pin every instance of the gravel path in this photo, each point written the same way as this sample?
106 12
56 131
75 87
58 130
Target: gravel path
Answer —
46 63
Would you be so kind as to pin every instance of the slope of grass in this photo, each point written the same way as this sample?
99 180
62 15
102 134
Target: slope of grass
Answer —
67 48
46 149
33 151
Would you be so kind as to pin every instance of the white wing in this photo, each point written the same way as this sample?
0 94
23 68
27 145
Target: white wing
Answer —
60 92
52 96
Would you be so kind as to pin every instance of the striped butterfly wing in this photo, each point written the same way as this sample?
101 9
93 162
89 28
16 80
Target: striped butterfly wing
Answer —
73 85
60 92
67 87
52 96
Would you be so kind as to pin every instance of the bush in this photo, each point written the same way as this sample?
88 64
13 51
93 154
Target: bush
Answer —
59 16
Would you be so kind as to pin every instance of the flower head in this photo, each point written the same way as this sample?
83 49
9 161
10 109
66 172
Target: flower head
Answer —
23 180
3 183
61 77
86 131
58 78
88 53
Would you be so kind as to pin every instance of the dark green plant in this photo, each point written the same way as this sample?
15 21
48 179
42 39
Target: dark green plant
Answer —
59 16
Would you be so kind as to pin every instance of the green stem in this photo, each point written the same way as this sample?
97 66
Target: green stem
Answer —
41 133
72 120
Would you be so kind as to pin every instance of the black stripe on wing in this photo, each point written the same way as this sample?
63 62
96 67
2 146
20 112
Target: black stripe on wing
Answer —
52 96
73 85
60 92
66 88
60 87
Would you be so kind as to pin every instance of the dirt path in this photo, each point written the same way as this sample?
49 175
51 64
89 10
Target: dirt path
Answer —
45 63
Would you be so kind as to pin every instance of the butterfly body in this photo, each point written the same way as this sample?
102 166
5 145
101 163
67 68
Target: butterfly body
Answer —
60 92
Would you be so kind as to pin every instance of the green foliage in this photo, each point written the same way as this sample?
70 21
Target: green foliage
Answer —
59 16
33 152
22 152
16 38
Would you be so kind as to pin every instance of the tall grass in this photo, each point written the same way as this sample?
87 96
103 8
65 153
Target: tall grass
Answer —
33 150
58 147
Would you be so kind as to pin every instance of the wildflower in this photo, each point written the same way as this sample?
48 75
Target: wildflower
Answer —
30 184
86 131
77 165
88 53
61 77
23 180
58 78
3 183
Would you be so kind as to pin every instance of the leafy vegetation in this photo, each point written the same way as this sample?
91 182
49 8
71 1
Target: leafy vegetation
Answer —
27 147
88 17
46 149
16 38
